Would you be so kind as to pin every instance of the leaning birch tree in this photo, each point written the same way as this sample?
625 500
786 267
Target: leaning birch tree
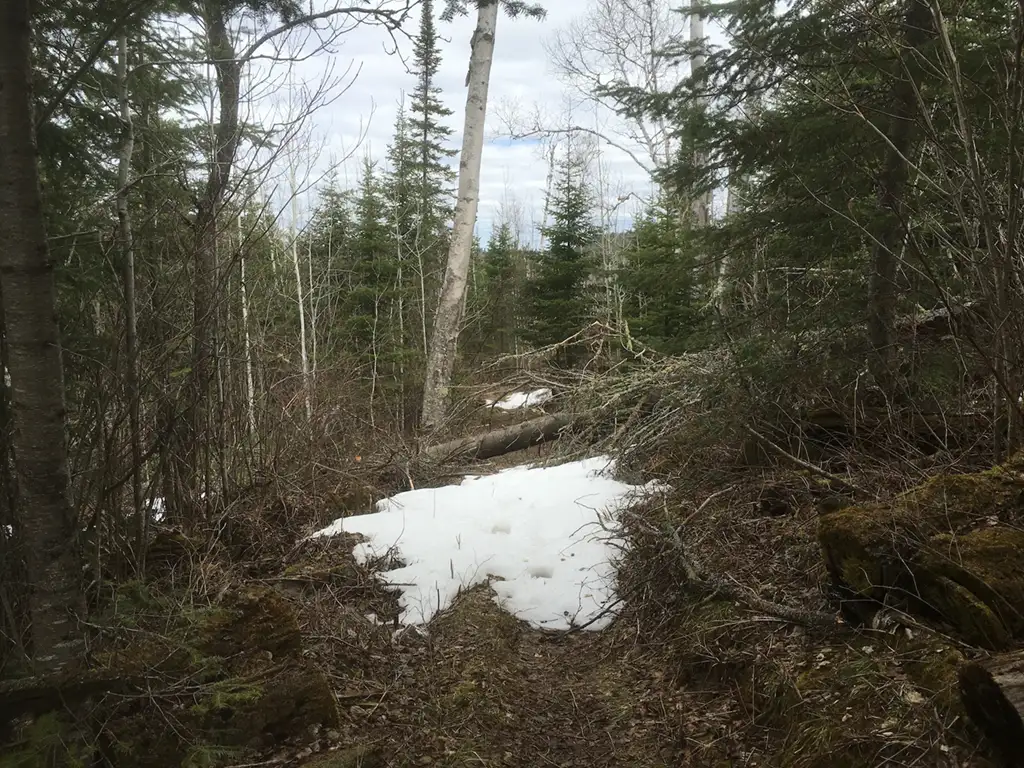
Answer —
451 306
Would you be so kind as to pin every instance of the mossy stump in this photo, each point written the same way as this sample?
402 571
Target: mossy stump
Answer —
950 550
250 689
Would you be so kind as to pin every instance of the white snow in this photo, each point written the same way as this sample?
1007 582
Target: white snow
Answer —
537 529
157 509
517 400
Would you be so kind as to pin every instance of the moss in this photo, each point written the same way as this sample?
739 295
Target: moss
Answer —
284 704
989 563
248 685
49 741
933 669
252 620
933 551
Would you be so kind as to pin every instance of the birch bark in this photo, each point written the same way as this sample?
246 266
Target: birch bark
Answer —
448 318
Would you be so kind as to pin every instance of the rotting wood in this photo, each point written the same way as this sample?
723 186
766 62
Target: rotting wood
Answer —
498 442
992 691
35 695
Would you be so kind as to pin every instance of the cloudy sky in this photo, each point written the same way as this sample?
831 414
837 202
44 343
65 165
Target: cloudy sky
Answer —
368 77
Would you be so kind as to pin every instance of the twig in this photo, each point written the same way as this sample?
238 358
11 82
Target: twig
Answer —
783 453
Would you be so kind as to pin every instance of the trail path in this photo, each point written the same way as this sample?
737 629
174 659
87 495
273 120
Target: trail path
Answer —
474 685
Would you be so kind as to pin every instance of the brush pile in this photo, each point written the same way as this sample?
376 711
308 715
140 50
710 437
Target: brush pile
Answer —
729 582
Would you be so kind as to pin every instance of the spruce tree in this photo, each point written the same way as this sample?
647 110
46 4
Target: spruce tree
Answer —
373 273
560 299
427 132
431 178
329 235
503 278
659 280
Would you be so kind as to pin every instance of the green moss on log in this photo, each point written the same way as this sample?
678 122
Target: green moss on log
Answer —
249 688
949 549
252 620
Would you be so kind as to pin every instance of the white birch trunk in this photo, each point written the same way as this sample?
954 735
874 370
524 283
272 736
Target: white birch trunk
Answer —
313 302
448 318
250 390
303 350
549 181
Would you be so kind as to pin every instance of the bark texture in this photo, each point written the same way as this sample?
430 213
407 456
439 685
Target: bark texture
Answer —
193 433
993 695
448 318
131 336
47 519
498 442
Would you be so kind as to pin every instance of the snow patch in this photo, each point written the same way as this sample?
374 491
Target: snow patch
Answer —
552 568
157 509
517 400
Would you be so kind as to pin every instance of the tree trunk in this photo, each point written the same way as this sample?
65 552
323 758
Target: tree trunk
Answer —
700 206
47 519
993 695
888 231
225 139
250 390
303 349
498 442
448 318
131 337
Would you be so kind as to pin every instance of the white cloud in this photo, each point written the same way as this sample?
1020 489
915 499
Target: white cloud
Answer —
361 119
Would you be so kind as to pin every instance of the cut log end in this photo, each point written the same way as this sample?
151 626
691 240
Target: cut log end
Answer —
993 695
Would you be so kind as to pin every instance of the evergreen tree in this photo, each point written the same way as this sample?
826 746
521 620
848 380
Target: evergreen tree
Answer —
659 281
373 272
503 277
428 174
328 239
428 134
412 263
418 189
560 296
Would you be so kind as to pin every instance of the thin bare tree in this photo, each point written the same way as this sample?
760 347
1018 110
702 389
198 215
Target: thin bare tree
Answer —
617 42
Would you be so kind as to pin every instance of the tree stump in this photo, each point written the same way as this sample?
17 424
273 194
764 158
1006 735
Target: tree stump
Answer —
992 691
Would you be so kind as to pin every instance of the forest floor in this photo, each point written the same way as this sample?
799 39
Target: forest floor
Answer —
698 682
288 650
476 686
483 689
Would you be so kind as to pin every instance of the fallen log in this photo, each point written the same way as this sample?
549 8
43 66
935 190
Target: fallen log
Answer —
36 695
487 445
992 691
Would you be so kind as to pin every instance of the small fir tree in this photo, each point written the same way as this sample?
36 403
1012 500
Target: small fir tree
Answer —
560 289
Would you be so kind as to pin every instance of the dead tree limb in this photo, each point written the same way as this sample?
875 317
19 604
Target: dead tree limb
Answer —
36 695
783 453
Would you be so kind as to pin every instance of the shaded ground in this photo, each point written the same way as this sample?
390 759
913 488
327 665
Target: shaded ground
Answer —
682 679
481 688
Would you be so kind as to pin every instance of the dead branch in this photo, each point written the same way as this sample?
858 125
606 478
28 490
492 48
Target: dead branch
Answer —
783 453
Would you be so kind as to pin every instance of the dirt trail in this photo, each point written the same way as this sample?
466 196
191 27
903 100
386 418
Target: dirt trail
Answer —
480 688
